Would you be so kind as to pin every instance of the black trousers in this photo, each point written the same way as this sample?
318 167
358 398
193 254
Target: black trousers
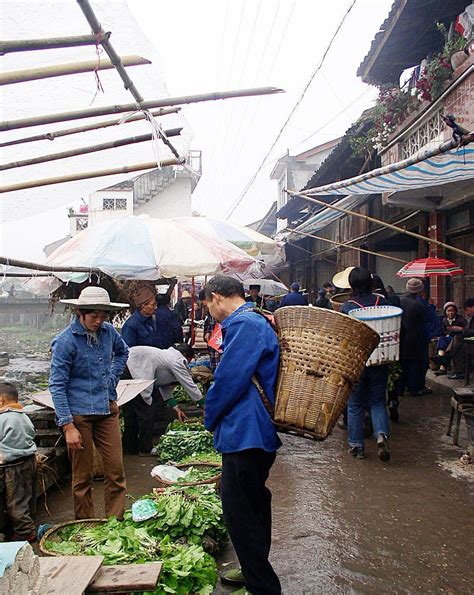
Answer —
246 503
18 497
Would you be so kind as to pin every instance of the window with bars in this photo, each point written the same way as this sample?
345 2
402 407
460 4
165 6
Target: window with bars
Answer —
114 204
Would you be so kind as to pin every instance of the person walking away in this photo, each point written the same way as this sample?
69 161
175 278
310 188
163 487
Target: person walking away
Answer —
379 287
243 430
452 324
17 467
168 327
166 367
295 297
370 391
322 301
413 339
87 360
457 350
255 297
141 328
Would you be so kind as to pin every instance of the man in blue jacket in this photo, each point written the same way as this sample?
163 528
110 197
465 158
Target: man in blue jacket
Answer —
294 298
243 429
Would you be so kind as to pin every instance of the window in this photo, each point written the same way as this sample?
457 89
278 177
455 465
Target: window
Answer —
114 204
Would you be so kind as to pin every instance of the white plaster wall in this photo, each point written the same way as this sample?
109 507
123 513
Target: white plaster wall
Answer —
173 201
96 212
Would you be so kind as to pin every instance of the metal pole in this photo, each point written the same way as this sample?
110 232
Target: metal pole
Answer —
87 127
33 74
89 174
50 43
131 107
85 150
45 267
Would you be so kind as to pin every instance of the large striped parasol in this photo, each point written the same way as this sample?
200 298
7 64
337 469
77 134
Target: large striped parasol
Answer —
430 267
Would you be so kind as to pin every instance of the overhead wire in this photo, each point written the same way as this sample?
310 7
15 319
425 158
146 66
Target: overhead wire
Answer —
292 111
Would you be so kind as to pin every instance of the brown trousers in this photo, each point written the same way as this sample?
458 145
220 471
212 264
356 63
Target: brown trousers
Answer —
104 432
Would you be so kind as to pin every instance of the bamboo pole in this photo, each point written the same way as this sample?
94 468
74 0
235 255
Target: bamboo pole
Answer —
89 174
29 275
36 266
87 127
132 107
342 245
380 222
32 74
27 45
85 150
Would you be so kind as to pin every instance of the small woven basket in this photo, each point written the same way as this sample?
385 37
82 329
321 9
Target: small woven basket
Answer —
53 534
322 355
215 479
339 299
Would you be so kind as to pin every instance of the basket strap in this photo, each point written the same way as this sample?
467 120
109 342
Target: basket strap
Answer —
263 396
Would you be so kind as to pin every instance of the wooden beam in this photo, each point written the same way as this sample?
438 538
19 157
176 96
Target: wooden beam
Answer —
50 43
33 74
87 127
89 174
132 107
36 266
85 150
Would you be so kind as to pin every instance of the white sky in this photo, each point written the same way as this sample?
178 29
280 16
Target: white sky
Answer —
200 47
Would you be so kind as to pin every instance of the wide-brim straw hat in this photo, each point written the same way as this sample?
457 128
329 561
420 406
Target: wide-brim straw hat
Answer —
341 279
94 298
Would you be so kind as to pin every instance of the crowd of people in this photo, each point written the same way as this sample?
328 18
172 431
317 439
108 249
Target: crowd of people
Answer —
90 357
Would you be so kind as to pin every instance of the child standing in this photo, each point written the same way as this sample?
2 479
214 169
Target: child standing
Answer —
17 466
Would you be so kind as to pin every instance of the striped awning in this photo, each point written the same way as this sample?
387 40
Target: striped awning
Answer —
328 216
456 165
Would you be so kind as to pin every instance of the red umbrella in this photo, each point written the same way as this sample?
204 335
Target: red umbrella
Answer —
430 267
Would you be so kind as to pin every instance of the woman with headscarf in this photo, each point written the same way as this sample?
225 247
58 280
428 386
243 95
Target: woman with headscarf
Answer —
141 328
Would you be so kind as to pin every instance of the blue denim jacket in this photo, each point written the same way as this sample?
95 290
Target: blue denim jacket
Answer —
84 373
140 330
234 410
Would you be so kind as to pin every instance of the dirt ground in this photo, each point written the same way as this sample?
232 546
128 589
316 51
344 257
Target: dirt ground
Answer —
359 526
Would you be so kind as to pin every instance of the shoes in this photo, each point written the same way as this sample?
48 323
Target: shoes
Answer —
30 538
152 453
393 411
357 452
455 376
341 424
234 577
382 447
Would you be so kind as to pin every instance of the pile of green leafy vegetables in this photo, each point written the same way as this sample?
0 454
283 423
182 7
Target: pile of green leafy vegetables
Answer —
190 515
196 474
181 396
175 445
192 424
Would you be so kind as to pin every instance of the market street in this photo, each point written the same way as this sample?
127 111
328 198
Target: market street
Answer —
347 526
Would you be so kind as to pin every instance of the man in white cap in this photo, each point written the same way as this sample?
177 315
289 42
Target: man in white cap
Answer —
87 360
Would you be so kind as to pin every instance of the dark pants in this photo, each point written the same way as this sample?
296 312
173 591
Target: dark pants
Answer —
413 375
246 503
138 425
17 497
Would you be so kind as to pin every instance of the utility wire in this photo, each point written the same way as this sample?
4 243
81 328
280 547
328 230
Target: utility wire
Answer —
295 107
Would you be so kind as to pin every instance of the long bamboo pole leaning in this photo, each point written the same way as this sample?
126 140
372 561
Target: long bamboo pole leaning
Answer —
89 174
36 266
348 246
117 62
132 107
87 127
43 72
49 43
85 150
380 222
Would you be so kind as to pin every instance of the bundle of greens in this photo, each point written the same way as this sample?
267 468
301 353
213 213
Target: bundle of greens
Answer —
205 457
186 568
195 474
181 396
177 444
192 424
189 513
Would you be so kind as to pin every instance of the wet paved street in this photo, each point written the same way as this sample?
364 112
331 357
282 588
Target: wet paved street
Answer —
361 526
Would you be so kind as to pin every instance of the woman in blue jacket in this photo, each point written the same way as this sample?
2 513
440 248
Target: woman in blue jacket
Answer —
87 360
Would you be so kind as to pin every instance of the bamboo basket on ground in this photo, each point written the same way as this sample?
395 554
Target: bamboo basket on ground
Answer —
322 355
339 299
53 534
215 479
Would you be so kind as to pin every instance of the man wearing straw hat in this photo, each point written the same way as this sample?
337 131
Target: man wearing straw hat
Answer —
87 360
243 429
